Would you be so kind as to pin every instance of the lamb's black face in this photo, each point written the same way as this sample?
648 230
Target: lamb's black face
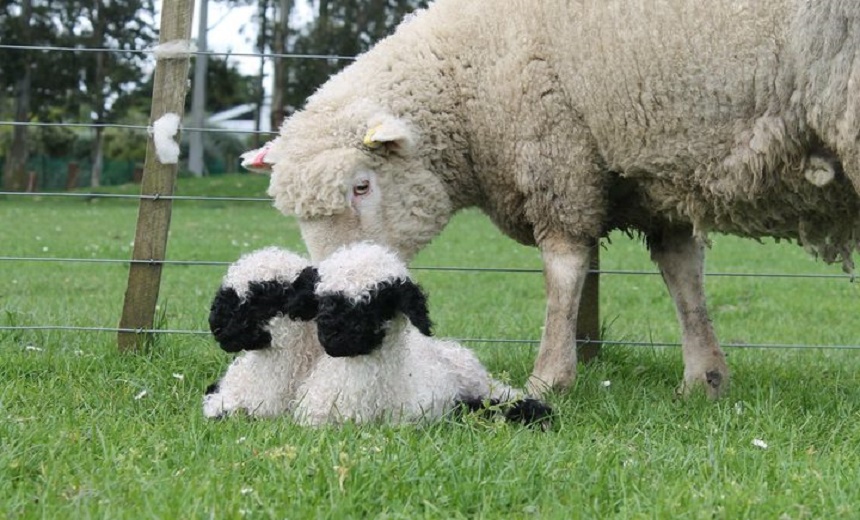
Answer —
239 324
346 328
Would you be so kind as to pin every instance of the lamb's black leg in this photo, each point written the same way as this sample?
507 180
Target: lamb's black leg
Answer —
527 411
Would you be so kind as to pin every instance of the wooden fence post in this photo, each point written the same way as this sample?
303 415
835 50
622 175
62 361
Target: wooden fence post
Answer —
153 220
588 320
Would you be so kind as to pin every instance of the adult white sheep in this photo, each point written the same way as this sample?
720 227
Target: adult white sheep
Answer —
382 363
564 119
263 310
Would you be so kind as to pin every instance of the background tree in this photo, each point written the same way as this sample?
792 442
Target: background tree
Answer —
60 86
340 28
29 80
125 26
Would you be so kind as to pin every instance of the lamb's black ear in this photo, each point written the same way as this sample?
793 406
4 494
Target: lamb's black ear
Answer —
302 303
239 324
234 325
412 302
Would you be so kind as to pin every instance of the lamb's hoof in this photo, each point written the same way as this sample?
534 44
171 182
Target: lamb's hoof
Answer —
714 382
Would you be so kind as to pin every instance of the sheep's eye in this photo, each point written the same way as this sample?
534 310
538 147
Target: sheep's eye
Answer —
362 188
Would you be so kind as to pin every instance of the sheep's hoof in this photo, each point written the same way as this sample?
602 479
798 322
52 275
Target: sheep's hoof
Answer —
539 385
714 382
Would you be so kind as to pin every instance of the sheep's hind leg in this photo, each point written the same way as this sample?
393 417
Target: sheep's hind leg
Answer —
681 258
565 267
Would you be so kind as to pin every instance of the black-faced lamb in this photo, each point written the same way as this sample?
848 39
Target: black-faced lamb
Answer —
382 363
563 120
263 311
335 345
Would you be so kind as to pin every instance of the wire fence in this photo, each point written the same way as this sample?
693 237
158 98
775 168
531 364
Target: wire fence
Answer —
98 328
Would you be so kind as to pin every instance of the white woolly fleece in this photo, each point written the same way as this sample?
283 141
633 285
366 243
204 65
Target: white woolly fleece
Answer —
270 263
263 382
410 377
163 130
355 269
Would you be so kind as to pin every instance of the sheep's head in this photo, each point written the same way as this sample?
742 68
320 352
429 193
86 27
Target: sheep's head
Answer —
363 289
257 288
356 173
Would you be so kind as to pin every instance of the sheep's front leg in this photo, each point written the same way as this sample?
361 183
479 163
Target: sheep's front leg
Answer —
565 268
681 259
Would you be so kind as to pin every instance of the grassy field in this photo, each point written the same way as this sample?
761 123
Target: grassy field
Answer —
88 432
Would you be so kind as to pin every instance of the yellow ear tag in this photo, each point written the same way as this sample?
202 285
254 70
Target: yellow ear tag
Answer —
368 138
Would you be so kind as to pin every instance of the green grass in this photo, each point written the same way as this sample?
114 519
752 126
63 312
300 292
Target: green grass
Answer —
79 438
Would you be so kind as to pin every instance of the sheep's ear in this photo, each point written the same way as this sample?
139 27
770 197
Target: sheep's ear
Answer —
412 302
390 134
258 160
302 303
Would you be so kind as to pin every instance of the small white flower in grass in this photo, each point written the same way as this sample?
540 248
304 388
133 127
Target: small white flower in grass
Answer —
33 348
178 376
246 491
140 395
758 443
240 440
606 384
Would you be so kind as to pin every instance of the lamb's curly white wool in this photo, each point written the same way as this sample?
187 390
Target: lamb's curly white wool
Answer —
382 363
263 310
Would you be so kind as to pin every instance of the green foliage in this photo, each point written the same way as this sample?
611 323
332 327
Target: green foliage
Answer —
55 141
341 28
88 432
63 86
226 87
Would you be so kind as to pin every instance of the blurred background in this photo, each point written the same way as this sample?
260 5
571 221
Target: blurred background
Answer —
76 80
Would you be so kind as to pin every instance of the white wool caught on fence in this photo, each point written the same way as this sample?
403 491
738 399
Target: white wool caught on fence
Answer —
174 49
163 131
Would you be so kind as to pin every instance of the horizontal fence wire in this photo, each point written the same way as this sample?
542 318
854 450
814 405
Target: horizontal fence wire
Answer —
51 48
209 130
153 50
464 269
156 196
620 343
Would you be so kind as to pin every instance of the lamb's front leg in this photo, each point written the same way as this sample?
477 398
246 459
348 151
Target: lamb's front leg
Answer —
681 259
565 268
